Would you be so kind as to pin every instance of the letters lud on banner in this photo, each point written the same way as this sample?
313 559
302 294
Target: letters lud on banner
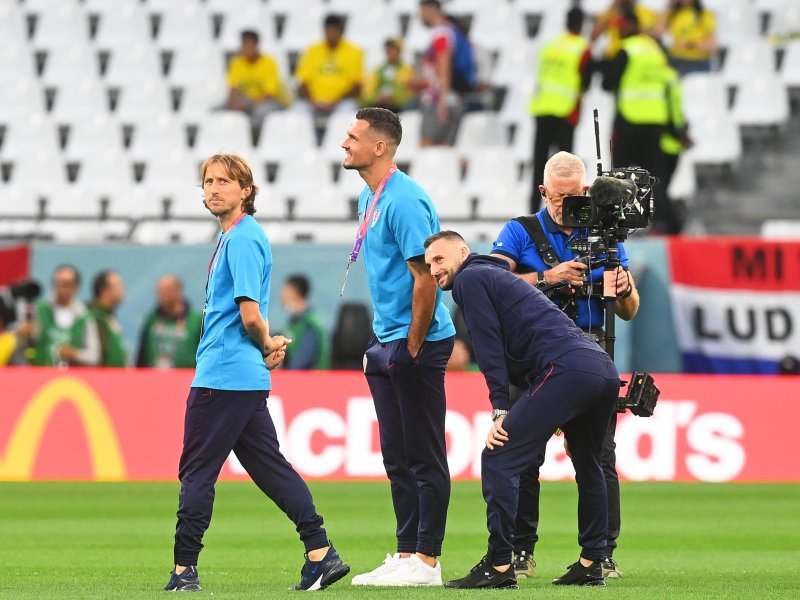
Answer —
117 424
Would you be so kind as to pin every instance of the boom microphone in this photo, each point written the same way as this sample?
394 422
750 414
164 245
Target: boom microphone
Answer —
607 191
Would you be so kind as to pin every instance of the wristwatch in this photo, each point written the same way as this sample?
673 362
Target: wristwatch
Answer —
541 283
497 413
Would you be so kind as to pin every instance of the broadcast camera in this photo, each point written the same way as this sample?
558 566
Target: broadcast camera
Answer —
25 292
619 200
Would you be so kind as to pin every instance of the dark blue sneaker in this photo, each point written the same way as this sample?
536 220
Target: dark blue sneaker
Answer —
317 575
188 581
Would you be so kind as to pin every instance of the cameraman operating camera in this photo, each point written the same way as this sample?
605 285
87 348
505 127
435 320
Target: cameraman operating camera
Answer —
537 249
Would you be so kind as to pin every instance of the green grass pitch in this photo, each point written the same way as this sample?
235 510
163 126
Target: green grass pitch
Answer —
82 540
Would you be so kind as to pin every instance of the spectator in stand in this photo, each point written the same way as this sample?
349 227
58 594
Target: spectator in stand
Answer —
564 74
691 29
97 336
331 72
171 332
254 81
609 22
389 86
448 72
55 317
309 347
638 75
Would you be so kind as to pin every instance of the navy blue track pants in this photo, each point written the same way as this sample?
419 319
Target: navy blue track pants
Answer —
218 422
409 401
577 393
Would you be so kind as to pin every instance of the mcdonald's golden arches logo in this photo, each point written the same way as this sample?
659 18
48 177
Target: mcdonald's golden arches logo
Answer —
19 458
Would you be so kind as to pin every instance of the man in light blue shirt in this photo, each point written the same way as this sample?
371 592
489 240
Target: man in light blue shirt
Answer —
227 405
406 359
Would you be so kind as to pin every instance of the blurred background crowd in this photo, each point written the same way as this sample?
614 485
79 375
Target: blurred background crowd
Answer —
110 106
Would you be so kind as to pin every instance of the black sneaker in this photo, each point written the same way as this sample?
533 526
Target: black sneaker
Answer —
524 565
188 581
580 575
485 576
319 574
610 568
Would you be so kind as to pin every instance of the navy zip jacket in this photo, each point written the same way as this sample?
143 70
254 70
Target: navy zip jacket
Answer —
516 330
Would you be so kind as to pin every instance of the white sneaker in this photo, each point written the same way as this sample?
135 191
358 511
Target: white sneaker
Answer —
391 563
412 571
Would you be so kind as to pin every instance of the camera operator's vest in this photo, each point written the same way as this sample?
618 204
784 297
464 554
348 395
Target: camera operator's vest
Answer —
641 98
559 85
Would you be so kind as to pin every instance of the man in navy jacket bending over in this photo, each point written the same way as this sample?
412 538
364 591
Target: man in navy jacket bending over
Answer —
520 337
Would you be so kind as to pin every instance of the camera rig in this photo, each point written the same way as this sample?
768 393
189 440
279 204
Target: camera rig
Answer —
619 201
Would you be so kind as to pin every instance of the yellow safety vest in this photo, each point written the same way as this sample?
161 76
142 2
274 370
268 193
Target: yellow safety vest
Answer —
559 86
641 97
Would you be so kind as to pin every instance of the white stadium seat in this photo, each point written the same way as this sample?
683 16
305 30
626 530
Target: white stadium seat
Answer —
135 63
785 21
704 93
79 101
138 101
95 135
493 178
737 20
284 134
60 26
411 122
246 15
438 171
227 131
747 59
783 229
764 101
123 26
199 99
21 98
188 25
479 130
716 140
31 132
162 132
16 60
77 62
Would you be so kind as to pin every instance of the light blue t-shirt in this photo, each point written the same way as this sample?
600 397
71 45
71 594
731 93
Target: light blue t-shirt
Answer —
403 219
227 359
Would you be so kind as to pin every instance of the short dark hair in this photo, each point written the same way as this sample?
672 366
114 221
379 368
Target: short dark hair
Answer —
300 283
100 282
575 19
250 34
447 234
75 273
436 3
383 121
336 21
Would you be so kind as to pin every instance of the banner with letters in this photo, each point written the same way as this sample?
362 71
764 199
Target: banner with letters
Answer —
736 303
127 425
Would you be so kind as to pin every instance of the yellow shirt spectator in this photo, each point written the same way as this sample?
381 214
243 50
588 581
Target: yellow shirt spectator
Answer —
328 73
258 80
692 34
607 23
